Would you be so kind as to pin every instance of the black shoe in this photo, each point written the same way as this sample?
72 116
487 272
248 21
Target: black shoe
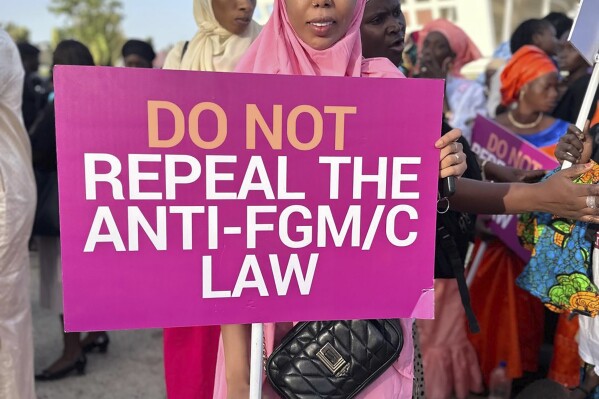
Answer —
78 366
101 342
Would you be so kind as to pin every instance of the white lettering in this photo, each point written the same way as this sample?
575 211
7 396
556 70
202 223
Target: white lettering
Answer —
412 213
250 263
172 179
92 177
103 215
293 266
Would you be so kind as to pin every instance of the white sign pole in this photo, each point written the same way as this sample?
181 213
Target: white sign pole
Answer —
589 97
256 361
584 36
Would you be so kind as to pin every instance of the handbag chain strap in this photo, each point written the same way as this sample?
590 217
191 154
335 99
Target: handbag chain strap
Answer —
264 356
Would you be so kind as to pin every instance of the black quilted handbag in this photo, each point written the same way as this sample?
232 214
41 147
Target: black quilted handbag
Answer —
333 359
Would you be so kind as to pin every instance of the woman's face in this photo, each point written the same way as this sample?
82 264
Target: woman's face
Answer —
383 30
546 40
568 58
541 94
320 23
436 50
136 61
234 15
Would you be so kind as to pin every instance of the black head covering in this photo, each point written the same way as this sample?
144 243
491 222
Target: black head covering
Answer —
525 31
27 49
72 52
139 47
560 21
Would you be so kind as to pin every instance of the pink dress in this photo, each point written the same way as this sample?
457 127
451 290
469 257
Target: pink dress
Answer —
395 383
450 364
278 50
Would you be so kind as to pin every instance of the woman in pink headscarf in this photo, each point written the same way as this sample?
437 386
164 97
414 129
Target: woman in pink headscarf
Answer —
444 49
450 364
319 37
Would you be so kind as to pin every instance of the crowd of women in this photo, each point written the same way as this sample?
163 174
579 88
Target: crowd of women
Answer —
534 88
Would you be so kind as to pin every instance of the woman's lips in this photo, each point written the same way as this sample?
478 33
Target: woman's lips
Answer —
243 21
398 45
322 26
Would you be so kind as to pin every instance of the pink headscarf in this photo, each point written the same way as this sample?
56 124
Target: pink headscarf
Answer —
278 50
460 43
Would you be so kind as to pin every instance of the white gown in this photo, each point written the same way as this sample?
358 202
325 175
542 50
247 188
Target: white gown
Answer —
17 208
588 335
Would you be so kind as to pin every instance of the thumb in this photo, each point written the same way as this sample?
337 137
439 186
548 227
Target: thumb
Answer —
449 137
576 170
587 128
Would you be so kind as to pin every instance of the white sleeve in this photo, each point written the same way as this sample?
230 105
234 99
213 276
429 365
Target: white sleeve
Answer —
466 105
588 335
10 63
173 58
494 93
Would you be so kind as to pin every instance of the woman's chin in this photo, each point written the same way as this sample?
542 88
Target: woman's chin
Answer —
320 42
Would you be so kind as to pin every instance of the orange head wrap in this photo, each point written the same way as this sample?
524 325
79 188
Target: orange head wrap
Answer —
459 42
526 65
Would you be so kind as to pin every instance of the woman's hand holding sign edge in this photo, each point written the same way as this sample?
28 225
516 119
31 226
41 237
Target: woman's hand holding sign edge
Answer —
575 146
452 158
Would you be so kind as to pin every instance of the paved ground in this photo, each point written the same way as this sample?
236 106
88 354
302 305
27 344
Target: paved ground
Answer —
131 369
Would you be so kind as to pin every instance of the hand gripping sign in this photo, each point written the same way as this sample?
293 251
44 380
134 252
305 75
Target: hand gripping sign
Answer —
192 198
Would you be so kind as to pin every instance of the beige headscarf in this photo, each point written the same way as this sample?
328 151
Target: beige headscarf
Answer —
213 48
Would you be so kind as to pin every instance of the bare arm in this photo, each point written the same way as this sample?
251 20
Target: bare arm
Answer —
236 342
483 197
557 195
507 174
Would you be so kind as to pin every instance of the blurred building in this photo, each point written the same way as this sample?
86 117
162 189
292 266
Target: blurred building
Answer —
488 22
263 11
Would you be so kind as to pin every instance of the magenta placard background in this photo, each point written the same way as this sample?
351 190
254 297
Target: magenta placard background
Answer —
504 226
104 110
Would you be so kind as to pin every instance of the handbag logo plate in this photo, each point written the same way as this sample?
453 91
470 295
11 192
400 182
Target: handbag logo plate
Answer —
331 358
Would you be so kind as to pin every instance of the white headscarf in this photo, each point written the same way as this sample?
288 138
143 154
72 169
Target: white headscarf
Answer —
213 48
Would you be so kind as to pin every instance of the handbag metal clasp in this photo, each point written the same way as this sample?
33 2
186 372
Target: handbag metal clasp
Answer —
331 358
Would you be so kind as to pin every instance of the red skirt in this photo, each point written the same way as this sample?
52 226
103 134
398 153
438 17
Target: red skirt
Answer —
190 361
511 319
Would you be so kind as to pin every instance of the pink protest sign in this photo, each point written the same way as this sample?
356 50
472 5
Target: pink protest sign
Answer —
494 143
192 198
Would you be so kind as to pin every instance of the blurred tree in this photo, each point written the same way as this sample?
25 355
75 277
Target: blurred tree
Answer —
95 23
18 33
